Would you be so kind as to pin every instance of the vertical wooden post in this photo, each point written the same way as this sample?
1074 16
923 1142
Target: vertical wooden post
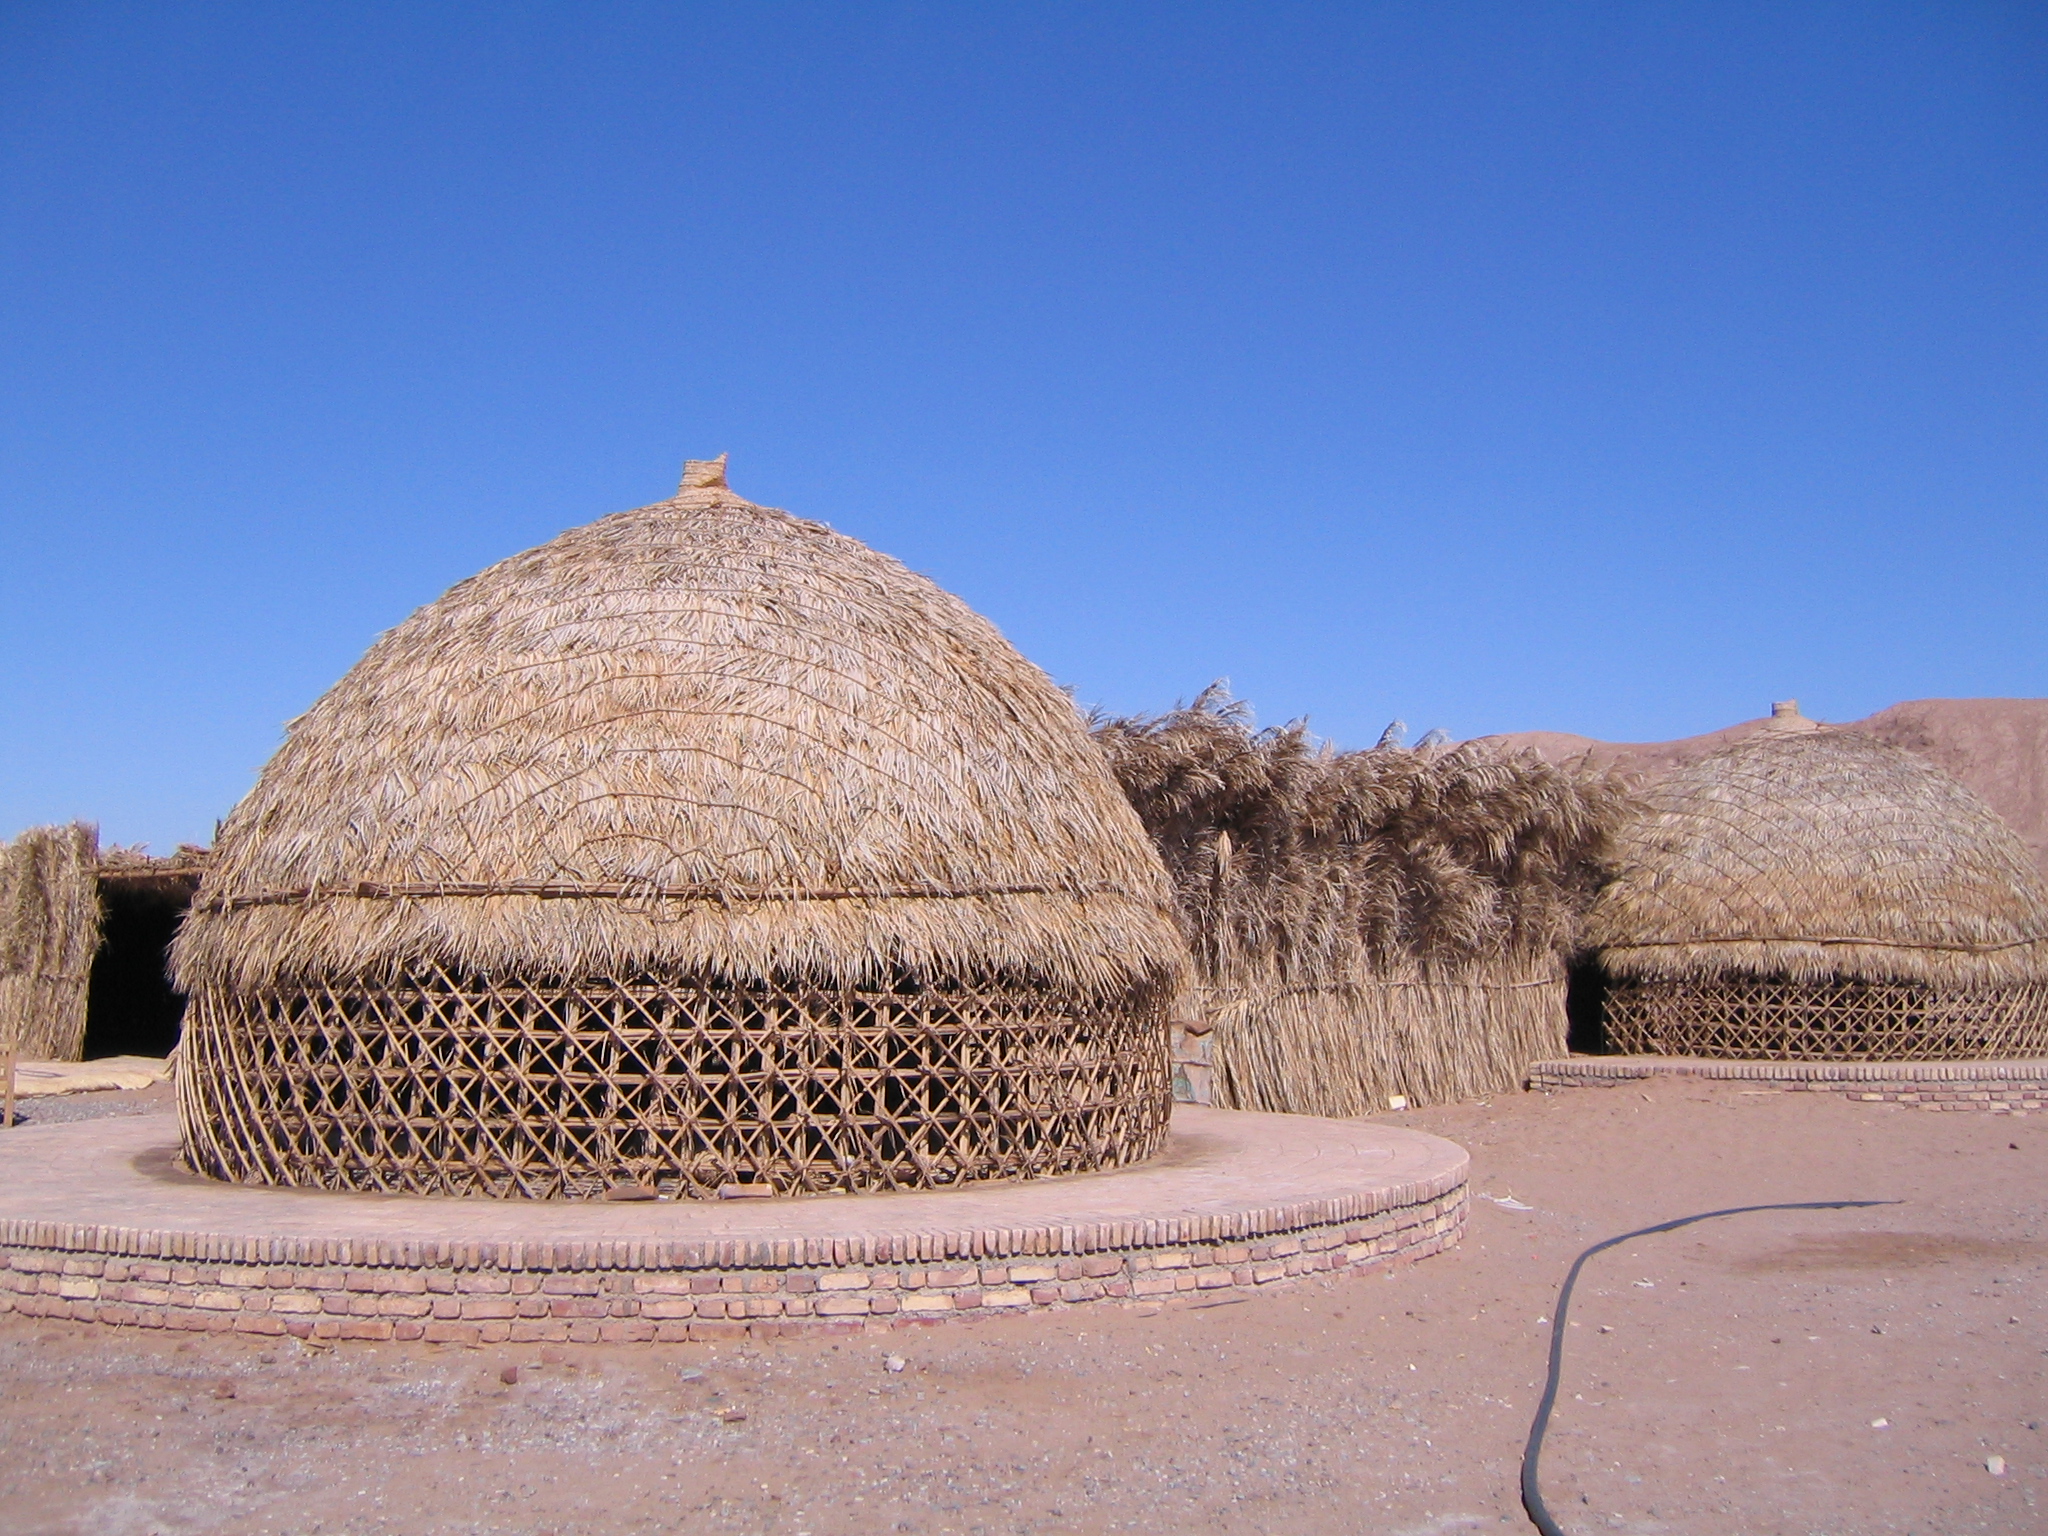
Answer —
13 1013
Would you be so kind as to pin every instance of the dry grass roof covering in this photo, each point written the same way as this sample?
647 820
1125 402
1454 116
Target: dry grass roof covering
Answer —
1822 854
703 737
174 878
1319 866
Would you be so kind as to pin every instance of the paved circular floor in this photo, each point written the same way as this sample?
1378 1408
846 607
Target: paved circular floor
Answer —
99 1221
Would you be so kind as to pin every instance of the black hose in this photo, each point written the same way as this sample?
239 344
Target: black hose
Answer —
1532 1496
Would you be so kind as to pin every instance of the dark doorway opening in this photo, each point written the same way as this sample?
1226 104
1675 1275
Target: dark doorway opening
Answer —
1585 1008
131 1009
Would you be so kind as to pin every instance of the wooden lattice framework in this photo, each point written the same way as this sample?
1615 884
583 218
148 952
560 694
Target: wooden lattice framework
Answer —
459 1085
1836 1019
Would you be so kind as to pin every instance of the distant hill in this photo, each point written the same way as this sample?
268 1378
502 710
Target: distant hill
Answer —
1999 747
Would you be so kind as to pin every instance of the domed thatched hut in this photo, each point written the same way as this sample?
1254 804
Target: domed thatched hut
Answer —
700 847
1818 894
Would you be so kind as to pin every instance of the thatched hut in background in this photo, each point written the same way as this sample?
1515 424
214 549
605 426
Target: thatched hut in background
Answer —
134 1010
1809 894
49 931
84 937
1365 925
699 847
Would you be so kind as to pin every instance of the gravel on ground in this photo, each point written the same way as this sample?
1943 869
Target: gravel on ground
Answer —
60 1108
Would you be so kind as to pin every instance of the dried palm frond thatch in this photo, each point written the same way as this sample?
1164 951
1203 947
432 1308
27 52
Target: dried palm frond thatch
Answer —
174 878
49 932
1819 893
1365 924
749 854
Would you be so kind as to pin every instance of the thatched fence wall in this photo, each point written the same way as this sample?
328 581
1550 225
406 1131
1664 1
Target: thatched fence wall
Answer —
1365 924
49 931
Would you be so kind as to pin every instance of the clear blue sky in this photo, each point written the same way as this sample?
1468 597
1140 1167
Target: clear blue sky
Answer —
1605 369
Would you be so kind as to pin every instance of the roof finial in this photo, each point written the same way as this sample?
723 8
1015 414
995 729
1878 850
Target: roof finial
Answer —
1785 716
704 474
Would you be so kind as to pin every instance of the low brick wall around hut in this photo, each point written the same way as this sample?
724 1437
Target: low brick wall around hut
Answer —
1999 1087
481 1292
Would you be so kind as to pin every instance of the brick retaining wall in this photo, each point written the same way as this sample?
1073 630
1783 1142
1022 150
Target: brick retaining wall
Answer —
2000 1087
490 1292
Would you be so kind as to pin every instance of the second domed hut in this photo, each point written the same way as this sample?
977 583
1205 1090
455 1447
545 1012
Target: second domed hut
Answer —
1811 893
700 847
1368 925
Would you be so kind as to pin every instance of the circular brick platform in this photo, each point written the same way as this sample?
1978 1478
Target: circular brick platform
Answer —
2007 1087
99 1222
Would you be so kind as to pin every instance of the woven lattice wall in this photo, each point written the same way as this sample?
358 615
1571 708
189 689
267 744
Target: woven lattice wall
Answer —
1843 1019
449 1085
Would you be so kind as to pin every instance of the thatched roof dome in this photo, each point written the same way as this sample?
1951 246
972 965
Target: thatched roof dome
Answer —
706 737
1817 854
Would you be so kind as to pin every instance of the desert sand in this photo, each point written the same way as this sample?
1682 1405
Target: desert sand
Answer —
1728 1378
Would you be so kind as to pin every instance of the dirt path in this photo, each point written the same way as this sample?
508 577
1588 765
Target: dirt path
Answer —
1722 1379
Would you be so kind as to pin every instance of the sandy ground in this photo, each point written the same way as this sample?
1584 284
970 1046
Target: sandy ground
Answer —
1721 1379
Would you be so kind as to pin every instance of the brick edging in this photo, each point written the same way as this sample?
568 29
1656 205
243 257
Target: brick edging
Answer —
2000 1087
588 1297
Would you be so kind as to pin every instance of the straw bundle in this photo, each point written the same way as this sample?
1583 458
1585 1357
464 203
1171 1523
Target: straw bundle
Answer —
780 858
1365 924
1822 894
49 931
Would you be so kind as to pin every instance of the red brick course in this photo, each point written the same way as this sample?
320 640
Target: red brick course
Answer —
1999 1087
474 1306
